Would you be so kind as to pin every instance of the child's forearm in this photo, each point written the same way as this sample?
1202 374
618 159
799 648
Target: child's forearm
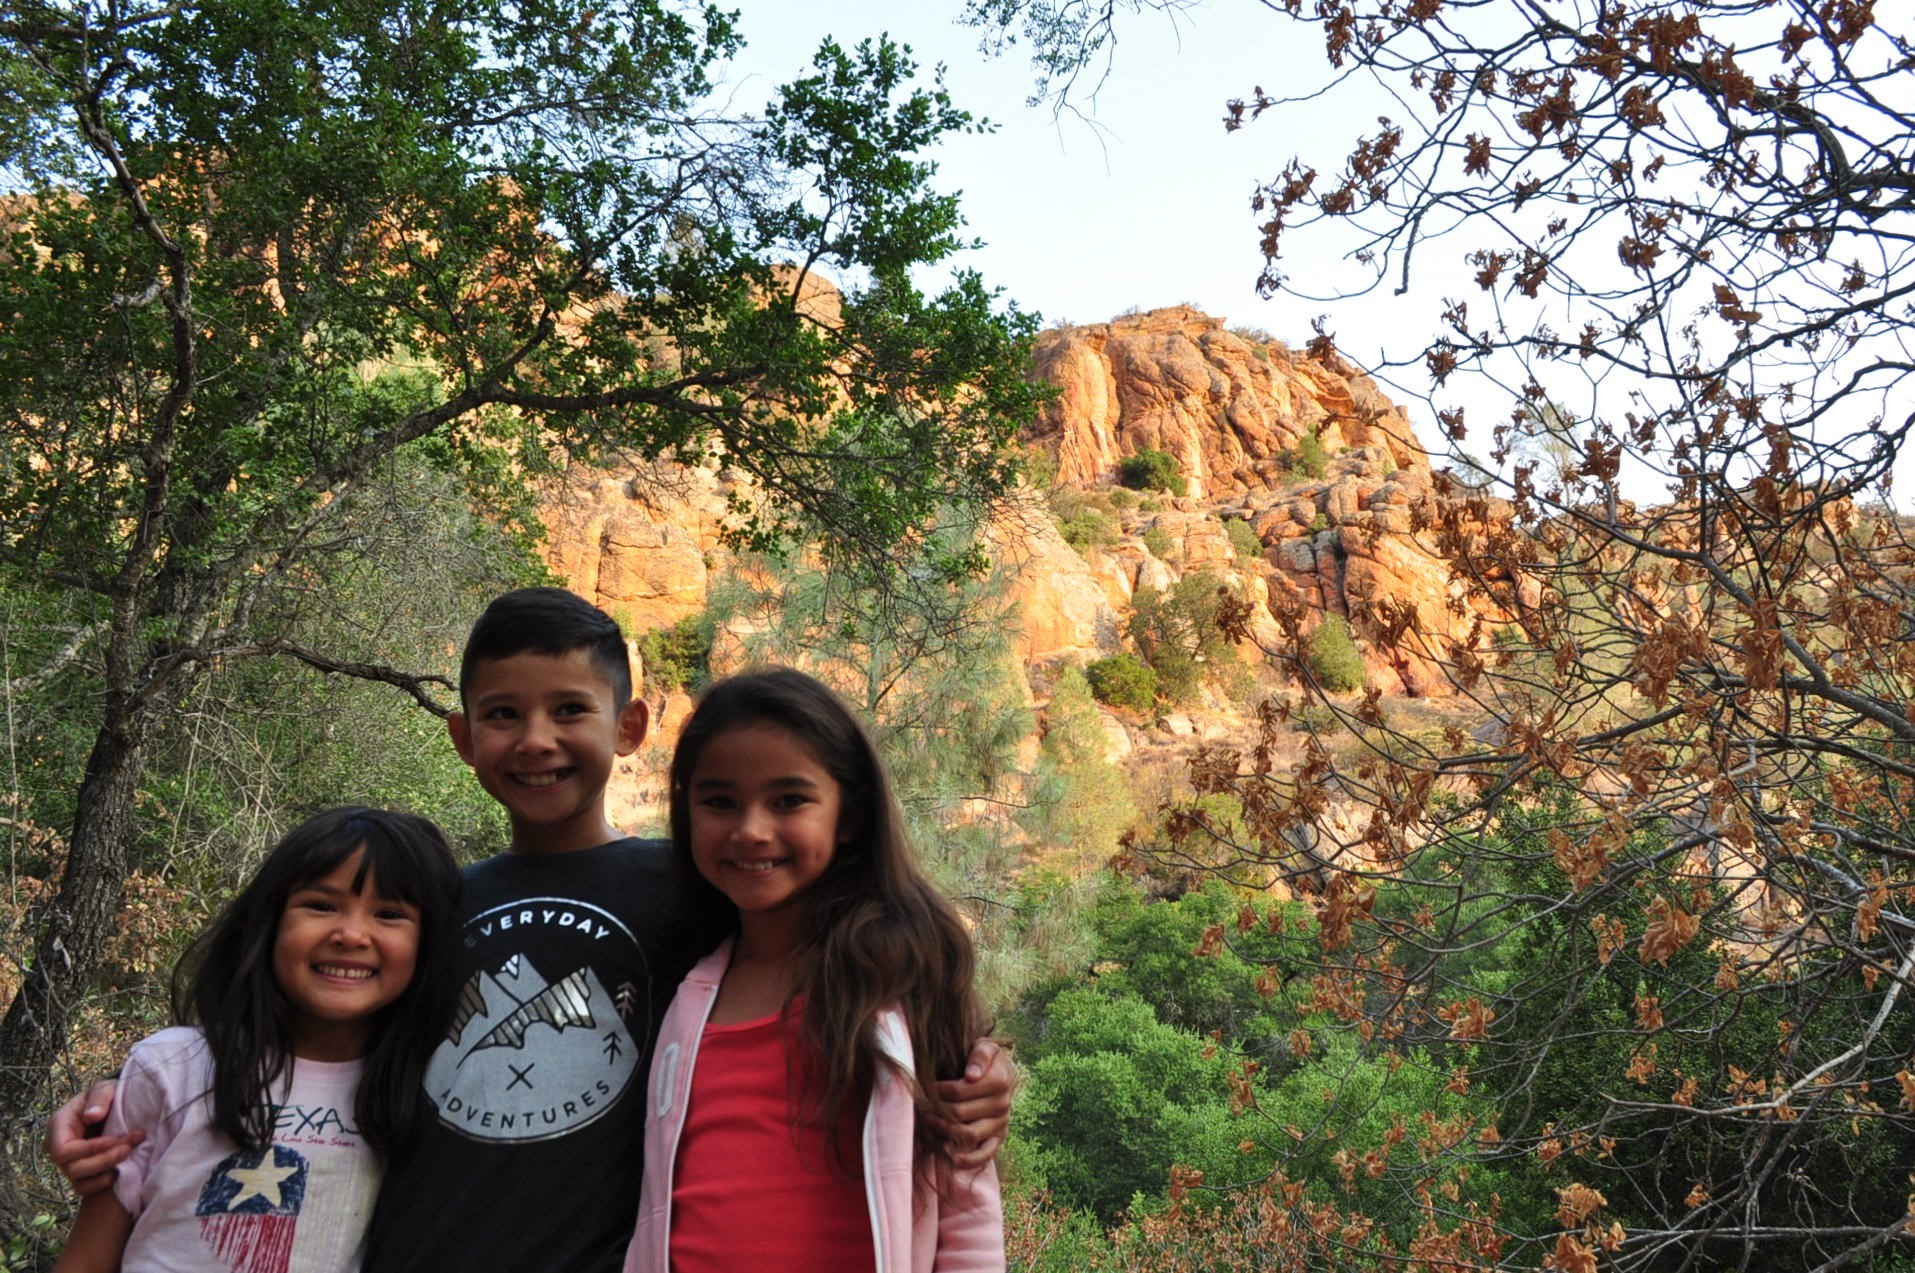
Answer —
98 1237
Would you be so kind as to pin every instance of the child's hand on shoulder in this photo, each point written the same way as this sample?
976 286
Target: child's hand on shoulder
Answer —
88 1161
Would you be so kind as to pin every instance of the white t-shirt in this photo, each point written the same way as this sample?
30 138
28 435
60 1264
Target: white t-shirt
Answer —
203 1205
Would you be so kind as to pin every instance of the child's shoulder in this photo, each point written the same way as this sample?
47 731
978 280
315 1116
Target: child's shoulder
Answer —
174 1045
169 1065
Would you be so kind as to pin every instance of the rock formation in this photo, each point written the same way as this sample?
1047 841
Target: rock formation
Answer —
1325 470
1230 407
1247 420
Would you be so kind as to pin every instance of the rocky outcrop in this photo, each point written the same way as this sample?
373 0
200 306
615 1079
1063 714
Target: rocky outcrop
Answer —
1231 407
1325 471
1322 467
640 545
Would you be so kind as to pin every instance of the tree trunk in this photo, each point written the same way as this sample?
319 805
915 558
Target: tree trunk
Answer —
73 934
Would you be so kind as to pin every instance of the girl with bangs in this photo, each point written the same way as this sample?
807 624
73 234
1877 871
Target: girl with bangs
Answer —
305 1018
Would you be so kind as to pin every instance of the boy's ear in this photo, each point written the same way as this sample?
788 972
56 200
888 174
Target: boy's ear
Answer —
461 730
633 720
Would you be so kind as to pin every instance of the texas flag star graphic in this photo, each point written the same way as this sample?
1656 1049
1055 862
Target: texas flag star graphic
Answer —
249 1208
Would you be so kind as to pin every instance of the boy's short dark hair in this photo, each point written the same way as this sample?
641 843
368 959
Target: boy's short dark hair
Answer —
549 621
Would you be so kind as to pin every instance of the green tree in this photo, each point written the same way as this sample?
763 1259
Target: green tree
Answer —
1310 458
678 657
1080 801
1333 657
1152 470
947 707
1115 1098
1243 538
1177 631
1084 518
254 251
1150 942
1123 680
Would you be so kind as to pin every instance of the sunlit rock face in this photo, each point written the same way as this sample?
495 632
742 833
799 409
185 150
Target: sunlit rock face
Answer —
1231 406
1327 473
1326 470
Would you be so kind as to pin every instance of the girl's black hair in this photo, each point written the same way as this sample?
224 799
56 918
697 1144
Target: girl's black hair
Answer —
224 983
876 932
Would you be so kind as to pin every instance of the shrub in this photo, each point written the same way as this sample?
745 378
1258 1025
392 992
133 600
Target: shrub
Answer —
678 657
1085 521
1123 680
1152 470
1315 718
1158 541
1310 458
1333 656
1089 528
1243 538
1175 629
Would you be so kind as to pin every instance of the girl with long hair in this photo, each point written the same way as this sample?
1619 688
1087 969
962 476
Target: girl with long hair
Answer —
795 1121
305 1016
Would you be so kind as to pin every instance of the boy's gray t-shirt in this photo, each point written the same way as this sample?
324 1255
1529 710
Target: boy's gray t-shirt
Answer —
561 970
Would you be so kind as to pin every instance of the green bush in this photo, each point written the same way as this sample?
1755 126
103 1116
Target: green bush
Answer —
1243 537
1310 458
1123 680
1176 631
678 657
1115 1097
1084 520
1152 470
1333 656
1315 718
1157 540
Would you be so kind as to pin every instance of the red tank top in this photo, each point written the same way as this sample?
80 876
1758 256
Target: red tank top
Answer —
749 1191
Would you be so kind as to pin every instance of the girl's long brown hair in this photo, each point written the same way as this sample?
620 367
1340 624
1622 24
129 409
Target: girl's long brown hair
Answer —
875 930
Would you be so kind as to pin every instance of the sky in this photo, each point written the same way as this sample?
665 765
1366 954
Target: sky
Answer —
1142 200
1142 203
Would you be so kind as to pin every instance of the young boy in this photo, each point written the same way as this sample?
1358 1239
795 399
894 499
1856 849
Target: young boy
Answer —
569 947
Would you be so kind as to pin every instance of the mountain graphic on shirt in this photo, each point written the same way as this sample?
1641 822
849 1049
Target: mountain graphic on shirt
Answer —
561 1004
527 1058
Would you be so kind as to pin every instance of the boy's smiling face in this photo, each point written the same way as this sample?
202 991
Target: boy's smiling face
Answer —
541 732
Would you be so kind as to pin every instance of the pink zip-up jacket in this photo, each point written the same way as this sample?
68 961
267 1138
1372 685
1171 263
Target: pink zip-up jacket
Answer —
915 1229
